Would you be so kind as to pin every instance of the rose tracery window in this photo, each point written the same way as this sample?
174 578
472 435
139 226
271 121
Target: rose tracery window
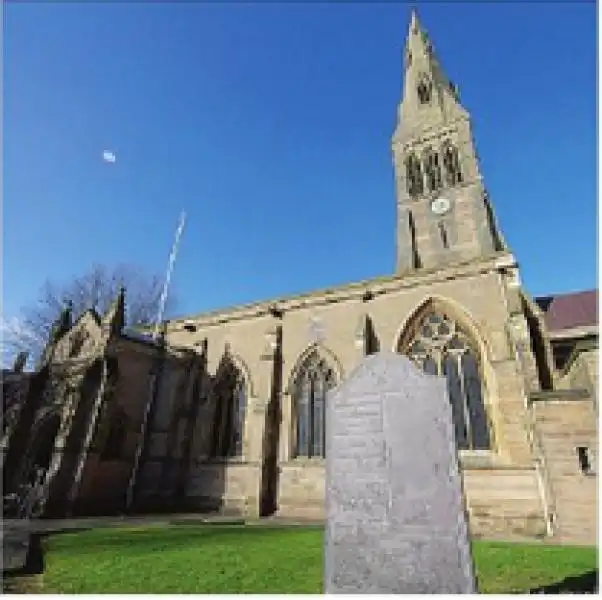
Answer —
441 347
312 383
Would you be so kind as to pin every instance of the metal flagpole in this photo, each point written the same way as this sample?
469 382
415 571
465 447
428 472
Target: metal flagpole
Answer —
170 265
151 391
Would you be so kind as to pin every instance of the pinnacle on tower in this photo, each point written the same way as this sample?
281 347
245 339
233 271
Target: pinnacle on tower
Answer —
114 319
63 323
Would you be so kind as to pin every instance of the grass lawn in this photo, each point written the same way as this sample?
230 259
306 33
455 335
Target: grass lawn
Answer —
235 559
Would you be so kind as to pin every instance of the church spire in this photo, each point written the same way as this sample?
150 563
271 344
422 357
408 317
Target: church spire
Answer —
444 213
429 97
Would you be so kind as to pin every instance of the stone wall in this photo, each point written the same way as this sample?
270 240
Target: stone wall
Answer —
566 425
504 502
226 486
477 295
582 368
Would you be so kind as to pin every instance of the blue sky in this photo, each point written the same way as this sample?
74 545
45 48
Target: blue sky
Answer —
271 125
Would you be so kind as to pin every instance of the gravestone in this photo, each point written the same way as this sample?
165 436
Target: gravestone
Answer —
396 518
15 548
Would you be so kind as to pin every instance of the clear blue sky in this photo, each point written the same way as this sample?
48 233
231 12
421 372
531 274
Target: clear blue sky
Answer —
271 125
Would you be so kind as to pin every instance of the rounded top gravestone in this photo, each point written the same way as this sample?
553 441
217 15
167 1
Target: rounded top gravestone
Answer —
396 516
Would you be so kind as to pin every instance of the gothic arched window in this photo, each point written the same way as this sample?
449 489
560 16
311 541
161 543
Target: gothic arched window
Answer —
312 383
230 394
440 346
451 163
432 170
415 184
423 89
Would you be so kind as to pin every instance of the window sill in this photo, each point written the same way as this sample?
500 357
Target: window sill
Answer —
469 459
303 461
231 460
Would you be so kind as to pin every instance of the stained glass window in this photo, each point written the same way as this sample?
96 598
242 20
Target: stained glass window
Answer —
313 381
441 347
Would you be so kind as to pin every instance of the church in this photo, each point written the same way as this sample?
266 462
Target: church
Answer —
226 410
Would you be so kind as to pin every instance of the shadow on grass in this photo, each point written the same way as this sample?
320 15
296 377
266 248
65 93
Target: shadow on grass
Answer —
162 536
577 584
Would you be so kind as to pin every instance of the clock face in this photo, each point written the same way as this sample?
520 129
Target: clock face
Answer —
440 206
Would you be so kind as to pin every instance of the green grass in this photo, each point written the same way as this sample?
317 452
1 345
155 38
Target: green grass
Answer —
237 559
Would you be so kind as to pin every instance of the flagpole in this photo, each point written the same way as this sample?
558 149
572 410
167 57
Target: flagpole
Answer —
153 386
170 266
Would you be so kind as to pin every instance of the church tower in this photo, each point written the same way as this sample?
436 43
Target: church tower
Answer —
443 211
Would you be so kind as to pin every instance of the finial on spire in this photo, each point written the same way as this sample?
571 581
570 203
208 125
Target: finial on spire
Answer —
414 21
64 322
428 94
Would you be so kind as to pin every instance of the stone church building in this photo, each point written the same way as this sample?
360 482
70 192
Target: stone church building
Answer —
225 411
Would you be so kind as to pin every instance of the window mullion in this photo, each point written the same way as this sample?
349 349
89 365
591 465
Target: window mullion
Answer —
464 401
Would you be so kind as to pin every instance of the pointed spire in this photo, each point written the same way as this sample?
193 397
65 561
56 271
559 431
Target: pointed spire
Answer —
420 54
415 25
428 95
114 319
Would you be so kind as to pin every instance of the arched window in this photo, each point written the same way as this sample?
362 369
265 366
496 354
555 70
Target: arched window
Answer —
312 383
432 170
230 393
451 163
440 346
414 180
423 89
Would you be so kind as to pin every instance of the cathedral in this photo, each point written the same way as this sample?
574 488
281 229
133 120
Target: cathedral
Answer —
225 411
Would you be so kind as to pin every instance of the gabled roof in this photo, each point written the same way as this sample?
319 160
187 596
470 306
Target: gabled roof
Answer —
568 311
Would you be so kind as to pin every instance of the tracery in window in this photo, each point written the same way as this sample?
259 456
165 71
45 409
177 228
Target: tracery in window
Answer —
432 170
314 379
451 163
440 346
414 178
230 395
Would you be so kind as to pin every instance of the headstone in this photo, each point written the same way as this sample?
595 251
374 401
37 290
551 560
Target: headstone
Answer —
15 549
396 518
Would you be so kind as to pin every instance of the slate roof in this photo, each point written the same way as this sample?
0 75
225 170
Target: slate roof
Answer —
566 311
